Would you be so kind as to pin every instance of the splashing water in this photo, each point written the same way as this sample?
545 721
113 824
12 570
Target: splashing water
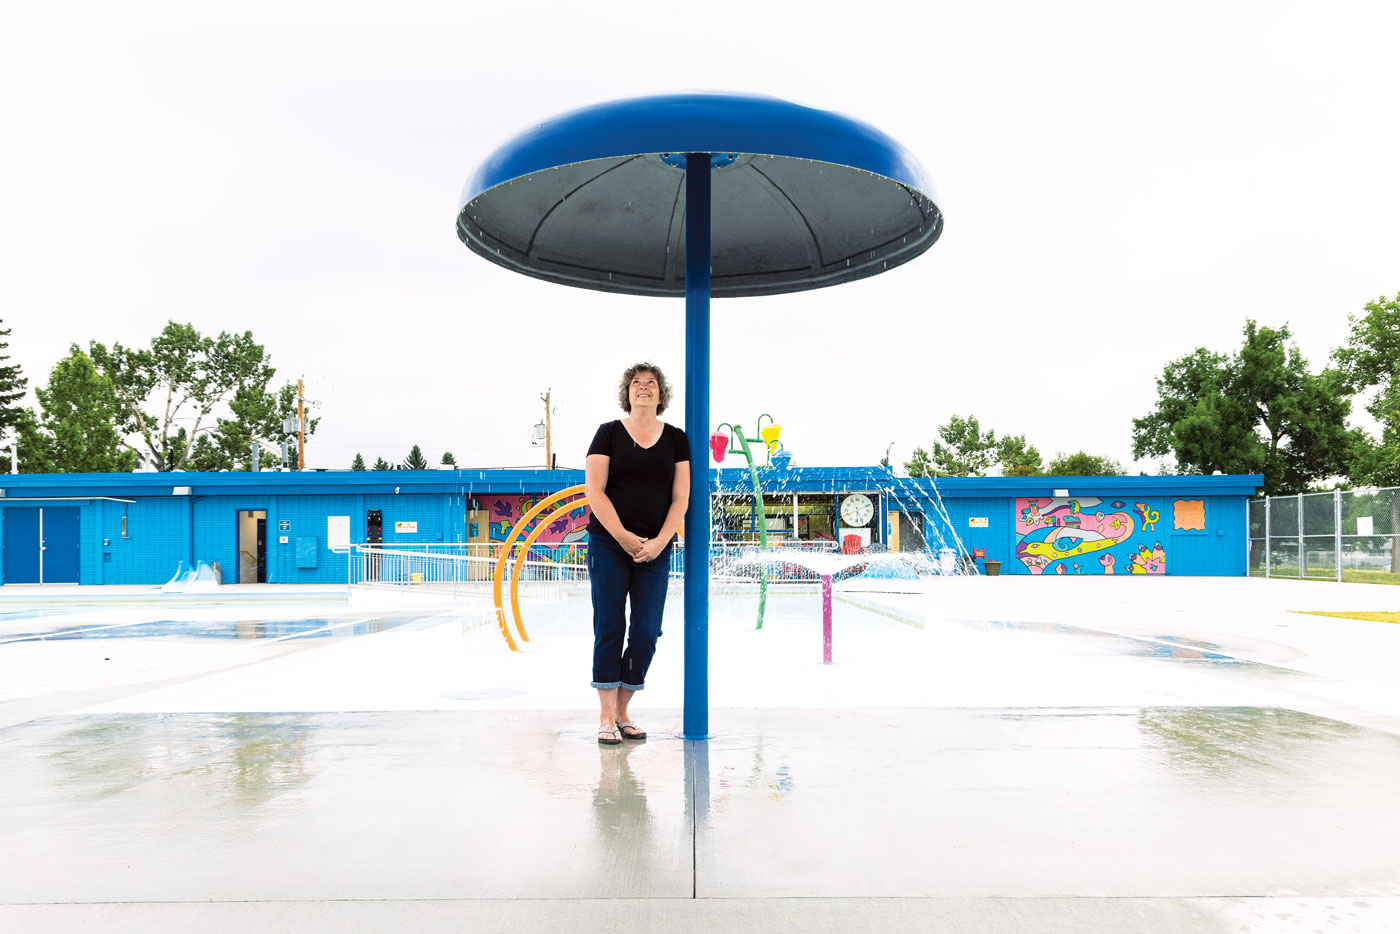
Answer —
929 543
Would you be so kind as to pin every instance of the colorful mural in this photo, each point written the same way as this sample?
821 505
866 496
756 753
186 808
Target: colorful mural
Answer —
570 529
1064 535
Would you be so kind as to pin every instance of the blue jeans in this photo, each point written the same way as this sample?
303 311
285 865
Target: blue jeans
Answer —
615 578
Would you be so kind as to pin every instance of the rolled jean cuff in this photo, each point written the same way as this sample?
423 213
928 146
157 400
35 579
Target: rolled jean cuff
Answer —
606 685
631 687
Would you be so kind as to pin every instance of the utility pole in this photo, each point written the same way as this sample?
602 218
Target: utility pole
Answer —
548 461
301 429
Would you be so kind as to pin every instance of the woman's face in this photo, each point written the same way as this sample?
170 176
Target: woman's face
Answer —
645 390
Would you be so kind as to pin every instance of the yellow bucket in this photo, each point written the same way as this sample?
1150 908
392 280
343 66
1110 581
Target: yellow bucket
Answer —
769 434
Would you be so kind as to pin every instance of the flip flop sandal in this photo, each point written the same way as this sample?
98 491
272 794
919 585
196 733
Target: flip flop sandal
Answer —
608 742
624 725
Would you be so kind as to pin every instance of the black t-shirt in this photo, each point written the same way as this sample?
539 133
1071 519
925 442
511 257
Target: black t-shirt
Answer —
639 479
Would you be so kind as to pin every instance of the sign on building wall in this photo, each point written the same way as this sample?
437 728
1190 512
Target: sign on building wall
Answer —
976 522
405 526
338 533
1189 515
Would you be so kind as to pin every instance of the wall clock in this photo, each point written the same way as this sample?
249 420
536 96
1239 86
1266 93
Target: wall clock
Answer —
857 510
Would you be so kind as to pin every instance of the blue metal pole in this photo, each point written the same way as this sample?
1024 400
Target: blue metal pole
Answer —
696 719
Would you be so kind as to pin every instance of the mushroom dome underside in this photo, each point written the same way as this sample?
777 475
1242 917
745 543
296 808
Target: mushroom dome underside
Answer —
778 224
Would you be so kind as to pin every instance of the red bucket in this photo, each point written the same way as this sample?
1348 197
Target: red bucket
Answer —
719 443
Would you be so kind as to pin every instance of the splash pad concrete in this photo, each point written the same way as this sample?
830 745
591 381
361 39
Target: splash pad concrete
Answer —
1165 755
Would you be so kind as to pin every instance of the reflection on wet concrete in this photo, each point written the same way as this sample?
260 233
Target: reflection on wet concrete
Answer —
697 782
189 807
321 627
268 757
912 803
237 760
764 772
1173 647
31 613
101 757
1048 802
620 807
1250 746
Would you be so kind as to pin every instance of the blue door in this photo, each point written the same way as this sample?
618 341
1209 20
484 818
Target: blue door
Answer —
60 545
21 546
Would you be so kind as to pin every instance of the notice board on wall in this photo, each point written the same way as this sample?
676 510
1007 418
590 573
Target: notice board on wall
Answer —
338 533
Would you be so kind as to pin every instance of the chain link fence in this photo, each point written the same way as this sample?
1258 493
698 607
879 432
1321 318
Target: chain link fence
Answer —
1351 535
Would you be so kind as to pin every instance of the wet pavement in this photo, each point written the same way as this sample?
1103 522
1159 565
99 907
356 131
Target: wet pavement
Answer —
1052 777
215 629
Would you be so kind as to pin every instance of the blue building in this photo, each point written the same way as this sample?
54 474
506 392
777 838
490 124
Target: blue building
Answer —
278 527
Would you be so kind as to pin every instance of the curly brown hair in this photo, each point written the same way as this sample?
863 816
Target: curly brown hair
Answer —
630 373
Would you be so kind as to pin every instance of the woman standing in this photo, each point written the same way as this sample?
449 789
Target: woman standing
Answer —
637 477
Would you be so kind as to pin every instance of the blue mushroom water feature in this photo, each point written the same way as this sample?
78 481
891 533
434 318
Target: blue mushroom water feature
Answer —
697 195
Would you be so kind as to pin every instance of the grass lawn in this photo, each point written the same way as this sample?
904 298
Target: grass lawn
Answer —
1369 577
1349 576
1381 616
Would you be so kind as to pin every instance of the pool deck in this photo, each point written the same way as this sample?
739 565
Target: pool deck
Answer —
1003 754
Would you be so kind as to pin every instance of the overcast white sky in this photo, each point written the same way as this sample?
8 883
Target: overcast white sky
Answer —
1121 183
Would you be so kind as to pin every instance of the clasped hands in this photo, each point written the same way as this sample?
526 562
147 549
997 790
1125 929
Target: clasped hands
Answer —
642 549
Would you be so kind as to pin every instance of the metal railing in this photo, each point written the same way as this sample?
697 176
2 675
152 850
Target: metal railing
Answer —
568 554
1343 535
440 571
462 568
540 559
728 564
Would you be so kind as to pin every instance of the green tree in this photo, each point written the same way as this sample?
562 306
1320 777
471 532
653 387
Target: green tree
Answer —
1017 458
415 460
1257 411
12 386
1080 464
919 464
258 415
77 431
965 450
35 445
1369 364
448 460
358 463
382 464
183 377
